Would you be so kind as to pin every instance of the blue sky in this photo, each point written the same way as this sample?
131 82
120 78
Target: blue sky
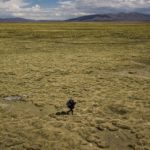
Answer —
65 9
45 3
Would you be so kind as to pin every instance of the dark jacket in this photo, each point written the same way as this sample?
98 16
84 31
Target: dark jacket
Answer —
71 104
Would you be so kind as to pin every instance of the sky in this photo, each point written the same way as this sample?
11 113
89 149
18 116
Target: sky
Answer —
65 9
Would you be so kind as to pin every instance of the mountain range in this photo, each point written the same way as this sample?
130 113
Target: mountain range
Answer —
113 17
15 20
91 18
22 20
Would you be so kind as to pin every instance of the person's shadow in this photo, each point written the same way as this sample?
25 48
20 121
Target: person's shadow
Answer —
62 113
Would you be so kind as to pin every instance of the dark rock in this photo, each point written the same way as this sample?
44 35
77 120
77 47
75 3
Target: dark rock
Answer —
132 146
131 72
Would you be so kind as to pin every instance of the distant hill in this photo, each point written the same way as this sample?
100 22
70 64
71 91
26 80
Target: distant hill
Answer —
113 17
97 17
23 20
15 20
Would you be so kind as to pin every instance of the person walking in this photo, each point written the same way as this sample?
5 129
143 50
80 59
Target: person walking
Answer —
71 105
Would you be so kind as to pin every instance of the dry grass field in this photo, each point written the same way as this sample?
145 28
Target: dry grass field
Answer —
105 67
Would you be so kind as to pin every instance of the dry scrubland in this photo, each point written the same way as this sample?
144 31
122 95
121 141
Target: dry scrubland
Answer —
104 66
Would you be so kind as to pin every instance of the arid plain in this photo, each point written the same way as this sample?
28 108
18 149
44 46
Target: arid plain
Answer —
105 67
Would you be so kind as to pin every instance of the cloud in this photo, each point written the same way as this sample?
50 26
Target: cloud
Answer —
74 8
70 8
11 7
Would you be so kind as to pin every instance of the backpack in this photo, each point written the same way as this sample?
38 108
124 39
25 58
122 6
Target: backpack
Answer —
71 103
